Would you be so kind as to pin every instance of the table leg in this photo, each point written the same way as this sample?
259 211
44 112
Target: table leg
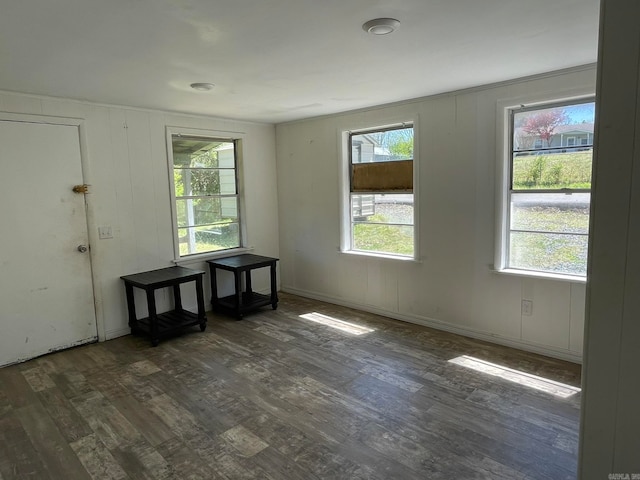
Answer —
238 282
248 282
200 296
274 289
131 306
177 298
153 317
214 285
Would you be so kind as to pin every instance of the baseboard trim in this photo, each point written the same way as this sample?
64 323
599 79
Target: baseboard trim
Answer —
77 343
440 325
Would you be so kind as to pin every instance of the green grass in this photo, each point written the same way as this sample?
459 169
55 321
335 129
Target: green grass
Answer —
208 242
557 253
201 247
566 254
381 238
555 170
550 252
551 219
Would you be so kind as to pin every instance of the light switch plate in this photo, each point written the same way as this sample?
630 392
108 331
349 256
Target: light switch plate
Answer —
105 232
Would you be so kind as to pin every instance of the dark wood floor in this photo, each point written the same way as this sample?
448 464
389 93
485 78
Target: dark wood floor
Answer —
276 396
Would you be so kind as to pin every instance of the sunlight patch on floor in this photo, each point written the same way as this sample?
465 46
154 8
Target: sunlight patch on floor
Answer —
532 381
337 324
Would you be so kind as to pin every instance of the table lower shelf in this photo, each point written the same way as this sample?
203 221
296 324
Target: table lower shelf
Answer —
250 301
168 323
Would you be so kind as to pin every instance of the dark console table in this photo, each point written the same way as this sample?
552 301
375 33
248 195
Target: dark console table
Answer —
162 324
242 302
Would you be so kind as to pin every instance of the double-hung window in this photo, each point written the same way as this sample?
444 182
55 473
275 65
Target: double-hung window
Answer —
206 202
548 197
381 192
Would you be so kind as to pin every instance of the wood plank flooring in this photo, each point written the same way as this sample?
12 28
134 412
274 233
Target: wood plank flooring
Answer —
277 396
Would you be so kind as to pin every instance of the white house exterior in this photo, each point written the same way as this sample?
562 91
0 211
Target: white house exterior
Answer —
572 135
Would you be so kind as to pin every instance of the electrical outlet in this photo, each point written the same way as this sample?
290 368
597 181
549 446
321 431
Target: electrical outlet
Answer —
105 232
527 307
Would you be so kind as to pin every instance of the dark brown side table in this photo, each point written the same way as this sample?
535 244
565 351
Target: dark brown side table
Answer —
242 302
162 324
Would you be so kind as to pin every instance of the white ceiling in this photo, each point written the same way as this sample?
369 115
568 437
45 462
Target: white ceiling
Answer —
281 60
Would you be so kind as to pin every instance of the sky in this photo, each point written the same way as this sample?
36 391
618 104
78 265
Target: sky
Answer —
579 113
582 112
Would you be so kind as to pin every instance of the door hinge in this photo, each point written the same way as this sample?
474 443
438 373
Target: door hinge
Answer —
84 188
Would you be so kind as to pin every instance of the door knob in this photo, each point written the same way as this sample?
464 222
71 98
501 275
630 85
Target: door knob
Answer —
83 248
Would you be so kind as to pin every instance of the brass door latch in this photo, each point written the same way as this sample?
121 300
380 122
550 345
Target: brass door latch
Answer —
84 188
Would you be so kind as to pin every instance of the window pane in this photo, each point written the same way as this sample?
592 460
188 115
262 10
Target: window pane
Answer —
551 170
548 252
552 147
381 238
550 212
383 223
552 150
382 161
204 211
200 152
205 170
204 182
552 127
383 208
208 238
382 146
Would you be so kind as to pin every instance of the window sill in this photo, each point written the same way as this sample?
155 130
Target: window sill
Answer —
203 257
542 275
381 255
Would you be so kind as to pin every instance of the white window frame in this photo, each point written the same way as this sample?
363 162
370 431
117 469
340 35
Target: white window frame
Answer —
345 185
238 138
503 171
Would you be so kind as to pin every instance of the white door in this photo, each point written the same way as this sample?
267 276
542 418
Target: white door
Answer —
46 291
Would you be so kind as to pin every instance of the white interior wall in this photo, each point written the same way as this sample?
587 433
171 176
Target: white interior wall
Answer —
453 286
610 426
126 166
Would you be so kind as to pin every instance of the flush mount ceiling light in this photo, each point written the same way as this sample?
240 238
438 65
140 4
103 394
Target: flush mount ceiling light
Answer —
202 87
381 26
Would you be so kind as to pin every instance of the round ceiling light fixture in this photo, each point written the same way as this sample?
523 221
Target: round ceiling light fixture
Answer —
381 26
202 87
